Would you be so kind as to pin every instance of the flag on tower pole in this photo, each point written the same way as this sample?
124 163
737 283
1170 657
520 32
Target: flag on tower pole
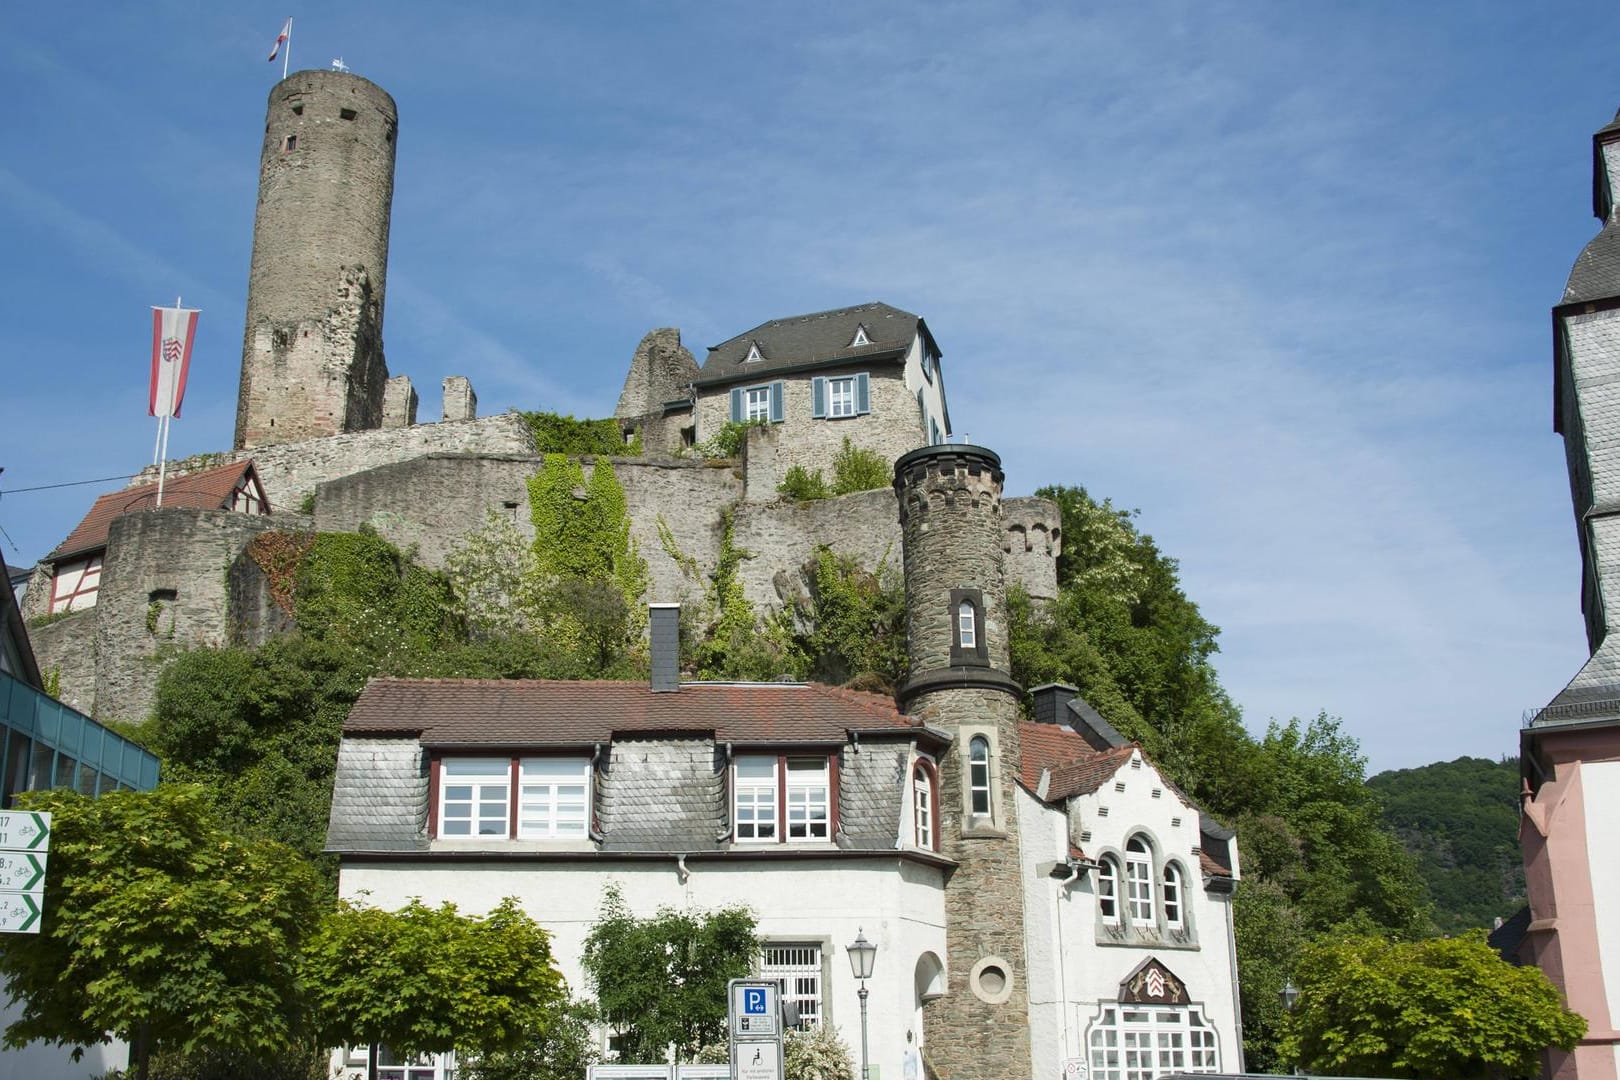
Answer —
283 38
173 331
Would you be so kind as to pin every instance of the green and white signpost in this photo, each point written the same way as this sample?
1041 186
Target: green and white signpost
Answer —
25 840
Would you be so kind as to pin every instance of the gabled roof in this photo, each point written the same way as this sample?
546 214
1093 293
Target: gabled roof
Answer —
205 489
819 339
1076 768
543 712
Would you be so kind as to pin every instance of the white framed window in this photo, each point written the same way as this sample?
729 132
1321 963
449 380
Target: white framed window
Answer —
1139 882
809 793
967 625
1172 897
757 403
392 1066
1140 1042
474 794
553 798
796 968
754 356
979 775
922 806
1108 889
841 397
755 799
75 584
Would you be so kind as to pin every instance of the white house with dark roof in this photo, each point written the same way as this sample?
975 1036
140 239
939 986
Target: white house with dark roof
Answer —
870 373
1039 894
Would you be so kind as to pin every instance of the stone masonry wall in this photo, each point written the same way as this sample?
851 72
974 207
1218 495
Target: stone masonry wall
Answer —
312 356
163 588
67 646
291 471
893 427
951 515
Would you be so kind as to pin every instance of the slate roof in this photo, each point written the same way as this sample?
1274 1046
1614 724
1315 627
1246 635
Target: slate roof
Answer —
205 489
518 713
660 784
379 796
663 795
820 338
1596 275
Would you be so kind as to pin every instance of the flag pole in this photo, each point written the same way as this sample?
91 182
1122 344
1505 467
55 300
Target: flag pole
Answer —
163 441
286 57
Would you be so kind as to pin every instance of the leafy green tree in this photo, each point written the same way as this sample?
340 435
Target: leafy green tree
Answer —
661 981
562 1050
162 929
1460 822
851 622
803 485
428 980
1272 932
1443 1009
855 469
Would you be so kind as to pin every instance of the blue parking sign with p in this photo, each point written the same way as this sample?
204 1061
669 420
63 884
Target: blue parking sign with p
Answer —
754 1001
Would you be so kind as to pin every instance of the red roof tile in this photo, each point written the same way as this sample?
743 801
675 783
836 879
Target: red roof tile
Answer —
206 489
543 712
1077 768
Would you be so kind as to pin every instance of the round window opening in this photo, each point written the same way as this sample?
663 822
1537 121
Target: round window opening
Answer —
991 981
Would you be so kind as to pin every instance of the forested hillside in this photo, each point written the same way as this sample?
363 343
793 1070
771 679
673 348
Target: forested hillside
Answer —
259 726
1460 821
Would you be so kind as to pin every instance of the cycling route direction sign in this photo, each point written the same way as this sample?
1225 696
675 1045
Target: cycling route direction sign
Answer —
25 838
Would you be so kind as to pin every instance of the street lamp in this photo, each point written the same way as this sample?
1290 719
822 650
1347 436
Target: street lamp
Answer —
862 954
1289 995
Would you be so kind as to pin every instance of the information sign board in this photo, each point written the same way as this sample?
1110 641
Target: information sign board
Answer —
755 1007
24 839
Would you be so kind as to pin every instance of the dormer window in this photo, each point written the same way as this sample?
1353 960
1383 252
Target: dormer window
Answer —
770 789
860 337
754 355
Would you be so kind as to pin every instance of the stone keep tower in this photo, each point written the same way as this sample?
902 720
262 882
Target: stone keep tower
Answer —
312 352
956 635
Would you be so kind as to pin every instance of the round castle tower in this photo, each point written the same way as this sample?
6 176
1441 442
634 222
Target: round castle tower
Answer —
956 635
312 351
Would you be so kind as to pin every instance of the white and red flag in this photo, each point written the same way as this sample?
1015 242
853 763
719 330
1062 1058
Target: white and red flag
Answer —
281 39
173 330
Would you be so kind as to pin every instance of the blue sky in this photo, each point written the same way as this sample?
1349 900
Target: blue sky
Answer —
1274 274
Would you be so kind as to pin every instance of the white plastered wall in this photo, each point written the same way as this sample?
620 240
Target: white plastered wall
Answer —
898 903
1070 969
932 387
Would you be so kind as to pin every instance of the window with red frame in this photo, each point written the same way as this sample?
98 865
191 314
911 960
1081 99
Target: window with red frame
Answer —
777 797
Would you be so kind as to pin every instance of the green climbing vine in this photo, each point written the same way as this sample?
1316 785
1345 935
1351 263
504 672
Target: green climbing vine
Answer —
556 433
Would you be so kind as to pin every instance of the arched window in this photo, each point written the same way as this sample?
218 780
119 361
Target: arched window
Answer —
1108 889
979 775
1172 897
1139 882
922 806
967 625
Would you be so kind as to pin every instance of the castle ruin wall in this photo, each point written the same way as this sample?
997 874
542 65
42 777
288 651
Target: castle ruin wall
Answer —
66 648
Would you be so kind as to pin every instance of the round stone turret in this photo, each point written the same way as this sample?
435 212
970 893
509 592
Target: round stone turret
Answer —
312 350
953 534
956 634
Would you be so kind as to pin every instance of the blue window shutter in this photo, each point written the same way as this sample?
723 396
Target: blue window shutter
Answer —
736 407
778 390
818 398
863 395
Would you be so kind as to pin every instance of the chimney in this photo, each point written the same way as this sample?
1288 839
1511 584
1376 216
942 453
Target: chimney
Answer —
664 636
1049 701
